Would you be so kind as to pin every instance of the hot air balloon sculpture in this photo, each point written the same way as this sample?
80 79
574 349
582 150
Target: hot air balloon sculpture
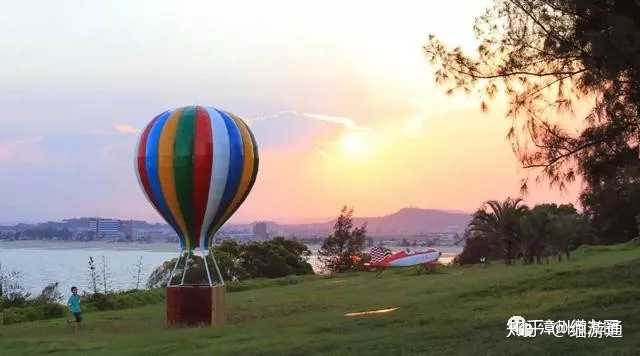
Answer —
196 165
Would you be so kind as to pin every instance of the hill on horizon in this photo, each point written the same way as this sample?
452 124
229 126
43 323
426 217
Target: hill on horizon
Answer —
404 222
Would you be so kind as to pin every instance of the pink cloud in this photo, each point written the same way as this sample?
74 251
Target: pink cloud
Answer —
25 150
126 129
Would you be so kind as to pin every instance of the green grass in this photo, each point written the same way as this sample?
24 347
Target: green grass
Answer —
458 310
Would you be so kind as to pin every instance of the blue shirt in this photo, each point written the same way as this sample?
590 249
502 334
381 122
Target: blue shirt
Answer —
74 303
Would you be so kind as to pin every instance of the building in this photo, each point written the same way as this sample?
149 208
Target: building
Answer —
127 229
106 228
260 230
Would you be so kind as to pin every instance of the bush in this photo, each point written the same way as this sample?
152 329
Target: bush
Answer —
53 310
14 315
33 312
122 300
99 301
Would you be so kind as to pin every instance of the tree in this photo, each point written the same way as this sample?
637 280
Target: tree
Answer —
278 257
341 251
105 272
12 292
227 255
93 275
479 246
545 55
275 258
611 198
509 230
568 231
138 270
500 221
535 229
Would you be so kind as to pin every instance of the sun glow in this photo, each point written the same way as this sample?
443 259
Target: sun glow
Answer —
353 144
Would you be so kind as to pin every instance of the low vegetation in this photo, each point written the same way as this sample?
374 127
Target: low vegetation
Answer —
17 305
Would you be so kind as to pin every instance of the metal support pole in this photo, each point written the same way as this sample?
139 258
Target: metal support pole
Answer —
206 266
186 265
173 270
215 264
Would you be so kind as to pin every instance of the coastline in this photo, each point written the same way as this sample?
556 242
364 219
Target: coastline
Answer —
89 245
448 252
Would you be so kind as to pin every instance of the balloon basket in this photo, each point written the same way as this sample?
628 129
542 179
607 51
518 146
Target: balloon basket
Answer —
195 305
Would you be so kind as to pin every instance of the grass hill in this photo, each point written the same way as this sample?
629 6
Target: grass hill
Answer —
456 310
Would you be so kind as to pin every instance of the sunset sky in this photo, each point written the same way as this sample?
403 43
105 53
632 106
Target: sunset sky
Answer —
338 94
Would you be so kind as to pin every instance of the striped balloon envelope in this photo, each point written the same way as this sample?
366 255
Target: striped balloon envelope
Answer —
196 166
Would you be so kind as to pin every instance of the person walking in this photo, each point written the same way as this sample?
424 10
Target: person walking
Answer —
74 308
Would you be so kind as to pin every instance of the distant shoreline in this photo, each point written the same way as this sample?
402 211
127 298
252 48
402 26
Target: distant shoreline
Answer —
88 245
448 252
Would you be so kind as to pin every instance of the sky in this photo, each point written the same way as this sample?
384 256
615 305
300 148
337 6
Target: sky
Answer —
338 94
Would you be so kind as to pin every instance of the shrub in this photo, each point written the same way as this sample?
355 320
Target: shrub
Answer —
122 300
33 312
14 315
53 310
99 301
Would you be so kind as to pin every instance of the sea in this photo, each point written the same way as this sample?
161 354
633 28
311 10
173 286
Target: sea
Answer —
40 263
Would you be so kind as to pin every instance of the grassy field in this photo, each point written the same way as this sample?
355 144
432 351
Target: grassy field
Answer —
456 310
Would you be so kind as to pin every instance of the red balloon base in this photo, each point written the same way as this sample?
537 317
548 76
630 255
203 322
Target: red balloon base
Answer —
195 305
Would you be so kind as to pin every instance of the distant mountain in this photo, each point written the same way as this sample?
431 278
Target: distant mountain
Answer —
407 221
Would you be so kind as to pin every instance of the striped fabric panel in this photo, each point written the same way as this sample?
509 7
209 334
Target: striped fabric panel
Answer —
234 172
139 162
249 167
220 172
151 164
202 166
166 172
183 169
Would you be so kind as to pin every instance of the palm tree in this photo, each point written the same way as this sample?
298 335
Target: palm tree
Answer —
501 221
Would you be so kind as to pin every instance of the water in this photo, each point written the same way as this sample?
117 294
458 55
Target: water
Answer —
69 266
